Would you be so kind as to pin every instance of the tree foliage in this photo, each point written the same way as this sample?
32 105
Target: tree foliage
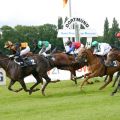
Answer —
106 31
60 23
28 33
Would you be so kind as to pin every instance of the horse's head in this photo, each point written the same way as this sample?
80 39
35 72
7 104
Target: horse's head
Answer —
82 54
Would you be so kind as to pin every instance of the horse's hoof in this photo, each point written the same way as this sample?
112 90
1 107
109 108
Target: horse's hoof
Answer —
43 93
90 83
80 87
112 94
100 88
97 81
58 80
30 92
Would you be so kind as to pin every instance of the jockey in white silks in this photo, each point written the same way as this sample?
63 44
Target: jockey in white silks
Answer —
101 49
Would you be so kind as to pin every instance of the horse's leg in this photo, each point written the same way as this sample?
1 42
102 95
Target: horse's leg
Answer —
110 79
86 79
106 78
48 80
88 76
10 86
116 78
73 73
39 80
116 89
21 81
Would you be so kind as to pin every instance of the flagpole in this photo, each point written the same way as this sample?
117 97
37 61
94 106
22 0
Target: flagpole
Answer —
70 13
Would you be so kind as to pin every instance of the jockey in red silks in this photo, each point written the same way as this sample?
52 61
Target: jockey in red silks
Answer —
117 35
73 46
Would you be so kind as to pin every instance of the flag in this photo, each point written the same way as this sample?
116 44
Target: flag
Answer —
64 2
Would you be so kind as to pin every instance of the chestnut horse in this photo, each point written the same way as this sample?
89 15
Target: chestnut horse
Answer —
97 68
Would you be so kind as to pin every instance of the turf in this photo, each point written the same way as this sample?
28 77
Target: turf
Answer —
63 101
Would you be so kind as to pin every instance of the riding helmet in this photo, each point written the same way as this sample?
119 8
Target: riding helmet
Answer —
68 42
94 43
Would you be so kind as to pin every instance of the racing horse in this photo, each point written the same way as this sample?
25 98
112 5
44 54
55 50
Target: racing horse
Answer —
113 55
70 61
97 68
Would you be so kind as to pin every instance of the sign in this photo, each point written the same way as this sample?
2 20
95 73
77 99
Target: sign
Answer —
69 23
71 33
2 77
56 74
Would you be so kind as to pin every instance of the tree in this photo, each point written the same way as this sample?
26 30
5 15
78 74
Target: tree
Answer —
112 31
60 23
106 31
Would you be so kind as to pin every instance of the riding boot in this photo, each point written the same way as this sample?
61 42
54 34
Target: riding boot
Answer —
22 62
75 55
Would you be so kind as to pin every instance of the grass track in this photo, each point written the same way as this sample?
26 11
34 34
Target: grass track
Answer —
63 101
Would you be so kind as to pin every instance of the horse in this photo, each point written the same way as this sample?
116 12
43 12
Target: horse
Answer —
16 73
97 68
113 55
70 61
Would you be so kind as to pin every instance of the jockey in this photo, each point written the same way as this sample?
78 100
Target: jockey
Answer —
74 46
101 49
21 49
44 46
117 35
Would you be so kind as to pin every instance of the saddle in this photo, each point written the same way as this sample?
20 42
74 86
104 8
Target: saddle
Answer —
103 58
25 60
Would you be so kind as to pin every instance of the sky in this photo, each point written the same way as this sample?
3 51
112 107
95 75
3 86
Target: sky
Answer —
39 12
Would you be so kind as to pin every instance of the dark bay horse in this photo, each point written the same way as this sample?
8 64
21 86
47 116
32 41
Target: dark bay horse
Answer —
70 61
16 73
113 55
97 68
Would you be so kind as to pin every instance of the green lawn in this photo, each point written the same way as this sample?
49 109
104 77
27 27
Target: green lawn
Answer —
63 101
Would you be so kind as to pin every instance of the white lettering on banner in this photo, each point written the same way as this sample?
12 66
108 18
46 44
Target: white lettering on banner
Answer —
82 33
55 74
2 77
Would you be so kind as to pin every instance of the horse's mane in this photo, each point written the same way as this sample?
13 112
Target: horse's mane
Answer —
2 54
114 47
